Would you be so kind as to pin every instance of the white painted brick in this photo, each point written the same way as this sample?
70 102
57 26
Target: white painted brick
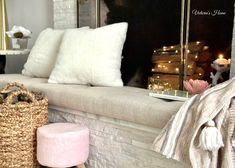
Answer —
65 14
117 144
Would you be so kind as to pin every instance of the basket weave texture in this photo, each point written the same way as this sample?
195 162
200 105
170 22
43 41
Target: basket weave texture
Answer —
21 113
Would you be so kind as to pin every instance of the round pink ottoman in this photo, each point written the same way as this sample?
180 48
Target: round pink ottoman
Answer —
62 145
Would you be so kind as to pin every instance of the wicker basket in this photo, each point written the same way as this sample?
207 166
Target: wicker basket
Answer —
21 112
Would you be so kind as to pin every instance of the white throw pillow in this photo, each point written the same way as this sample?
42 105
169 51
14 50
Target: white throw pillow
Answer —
43 55
91 56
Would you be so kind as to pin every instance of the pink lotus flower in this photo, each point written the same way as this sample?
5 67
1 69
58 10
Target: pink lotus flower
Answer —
196 86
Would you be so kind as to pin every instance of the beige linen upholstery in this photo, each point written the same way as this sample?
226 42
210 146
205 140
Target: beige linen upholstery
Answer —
124 103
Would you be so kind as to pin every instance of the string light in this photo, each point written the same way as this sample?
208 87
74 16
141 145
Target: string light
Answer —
170 66
164 48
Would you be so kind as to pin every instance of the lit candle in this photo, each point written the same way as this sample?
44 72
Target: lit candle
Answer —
220 65
221 60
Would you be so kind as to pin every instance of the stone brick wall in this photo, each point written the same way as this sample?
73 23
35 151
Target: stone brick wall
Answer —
65 14
116 143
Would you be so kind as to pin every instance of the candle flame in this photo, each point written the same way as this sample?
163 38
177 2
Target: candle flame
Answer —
221 56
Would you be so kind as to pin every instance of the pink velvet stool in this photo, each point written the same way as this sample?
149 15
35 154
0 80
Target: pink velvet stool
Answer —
62 145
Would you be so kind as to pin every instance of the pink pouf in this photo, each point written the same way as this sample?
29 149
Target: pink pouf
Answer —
62 145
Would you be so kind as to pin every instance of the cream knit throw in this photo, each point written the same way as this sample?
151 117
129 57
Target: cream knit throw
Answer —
180 137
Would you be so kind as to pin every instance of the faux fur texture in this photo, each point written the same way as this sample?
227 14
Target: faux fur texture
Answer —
91 56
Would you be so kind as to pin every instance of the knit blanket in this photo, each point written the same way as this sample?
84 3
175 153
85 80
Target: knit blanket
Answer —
179 139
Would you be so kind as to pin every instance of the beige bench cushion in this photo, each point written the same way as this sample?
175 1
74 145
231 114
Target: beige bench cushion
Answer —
125 103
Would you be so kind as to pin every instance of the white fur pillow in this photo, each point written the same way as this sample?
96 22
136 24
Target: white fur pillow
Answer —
43 55
91 56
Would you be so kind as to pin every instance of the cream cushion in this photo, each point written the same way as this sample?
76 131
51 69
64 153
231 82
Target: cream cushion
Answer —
43 55
91 56
124 103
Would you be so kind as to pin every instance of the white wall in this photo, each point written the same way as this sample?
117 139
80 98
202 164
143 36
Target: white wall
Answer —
34 15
